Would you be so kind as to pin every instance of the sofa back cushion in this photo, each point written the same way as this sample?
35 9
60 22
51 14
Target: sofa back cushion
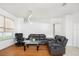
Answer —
37 36
61 40
42 36
19 36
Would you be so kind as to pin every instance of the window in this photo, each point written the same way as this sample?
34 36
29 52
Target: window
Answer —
1 29
7 35
6 28
9 25
1 23
1 37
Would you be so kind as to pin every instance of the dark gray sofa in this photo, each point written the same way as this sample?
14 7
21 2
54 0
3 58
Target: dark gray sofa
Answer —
57 46
38 37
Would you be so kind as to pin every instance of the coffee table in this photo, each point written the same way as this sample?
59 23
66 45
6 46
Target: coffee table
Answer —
30 42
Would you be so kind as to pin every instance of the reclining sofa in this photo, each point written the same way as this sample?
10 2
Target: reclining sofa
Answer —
57 46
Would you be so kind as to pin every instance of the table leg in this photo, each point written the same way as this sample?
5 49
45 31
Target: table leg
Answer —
27 45
24 47
37 47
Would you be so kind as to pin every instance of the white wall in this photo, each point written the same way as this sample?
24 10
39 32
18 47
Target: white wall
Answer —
37 28
72 29
58 29
59 25
6 43
69 30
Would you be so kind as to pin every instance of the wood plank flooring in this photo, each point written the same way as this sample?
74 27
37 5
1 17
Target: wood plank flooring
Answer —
31 51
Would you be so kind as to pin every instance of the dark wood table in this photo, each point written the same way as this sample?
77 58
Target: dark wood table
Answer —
29 42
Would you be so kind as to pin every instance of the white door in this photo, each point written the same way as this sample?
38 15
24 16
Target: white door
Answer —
58 29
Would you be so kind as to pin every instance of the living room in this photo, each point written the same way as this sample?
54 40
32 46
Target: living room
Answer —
39 20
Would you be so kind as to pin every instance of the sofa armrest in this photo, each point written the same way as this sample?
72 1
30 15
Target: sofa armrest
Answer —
56 45
51 41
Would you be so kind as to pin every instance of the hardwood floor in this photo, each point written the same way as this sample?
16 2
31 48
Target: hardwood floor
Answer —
31 51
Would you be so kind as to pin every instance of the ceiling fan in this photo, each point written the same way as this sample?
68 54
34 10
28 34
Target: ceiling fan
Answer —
28 17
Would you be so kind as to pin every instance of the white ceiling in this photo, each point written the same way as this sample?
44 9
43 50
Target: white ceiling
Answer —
40 10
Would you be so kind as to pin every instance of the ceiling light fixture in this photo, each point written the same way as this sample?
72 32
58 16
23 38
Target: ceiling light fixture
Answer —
28 17
63 4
